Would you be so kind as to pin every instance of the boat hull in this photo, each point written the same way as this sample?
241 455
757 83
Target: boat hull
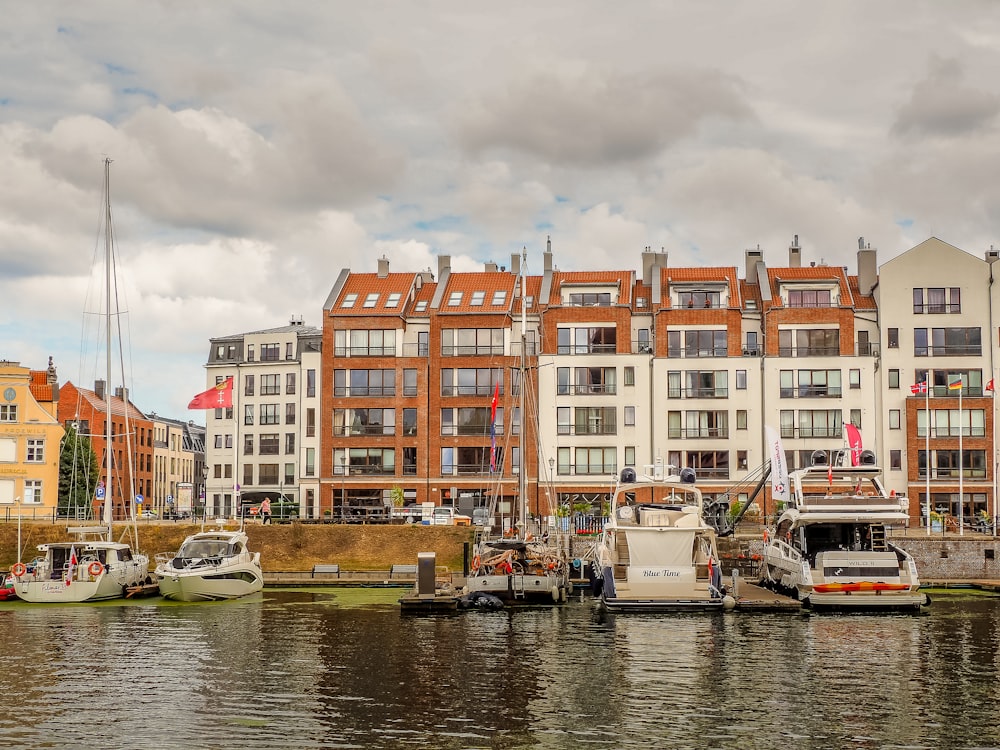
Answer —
104 571
215 586
521 589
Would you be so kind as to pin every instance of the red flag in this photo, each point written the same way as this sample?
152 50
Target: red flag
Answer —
989 386
219 397
854 441
920 387
829 475
493 403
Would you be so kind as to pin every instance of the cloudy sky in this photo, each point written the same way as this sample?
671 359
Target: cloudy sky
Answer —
259 148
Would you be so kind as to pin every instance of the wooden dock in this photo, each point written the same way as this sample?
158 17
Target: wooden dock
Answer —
754 598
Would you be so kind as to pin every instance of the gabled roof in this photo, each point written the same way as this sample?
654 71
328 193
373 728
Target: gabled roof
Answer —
41 389
861 301
372 293
480 287
118 407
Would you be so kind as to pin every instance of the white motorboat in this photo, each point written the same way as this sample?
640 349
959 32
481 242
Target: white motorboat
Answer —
81 571
829 546
657 553
210 565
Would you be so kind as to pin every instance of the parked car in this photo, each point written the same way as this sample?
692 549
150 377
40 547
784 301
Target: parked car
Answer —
148 514
176 515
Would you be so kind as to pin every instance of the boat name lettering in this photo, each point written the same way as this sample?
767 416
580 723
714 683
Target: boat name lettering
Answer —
660 573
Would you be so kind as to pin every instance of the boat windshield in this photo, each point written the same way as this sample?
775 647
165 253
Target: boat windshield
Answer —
204 548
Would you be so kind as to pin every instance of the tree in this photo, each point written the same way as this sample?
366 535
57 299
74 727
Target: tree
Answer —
78 474
397 496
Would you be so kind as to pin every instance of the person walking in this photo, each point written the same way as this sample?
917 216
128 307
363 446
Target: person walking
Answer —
265 511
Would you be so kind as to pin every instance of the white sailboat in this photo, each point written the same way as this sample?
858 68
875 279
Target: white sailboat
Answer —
94 567
518 568
209 566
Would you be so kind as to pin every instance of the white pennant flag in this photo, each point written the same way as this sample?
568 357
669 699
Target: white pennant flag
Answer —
779 468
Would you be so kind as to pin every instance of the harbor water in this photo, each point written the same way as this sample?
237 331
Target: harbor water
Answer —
344 668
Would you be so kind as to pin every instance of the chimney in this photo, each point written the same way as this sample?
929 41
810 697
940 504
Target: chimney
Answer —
99 389
795 254
490 267
651 260
867 271
444 264
121 393
548 255
383 267
515 264
750 260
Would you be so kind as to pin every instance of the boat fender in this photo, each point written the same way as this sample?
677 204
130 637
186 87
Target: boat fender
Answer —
18 569
728 603
555 594
476 562
95 568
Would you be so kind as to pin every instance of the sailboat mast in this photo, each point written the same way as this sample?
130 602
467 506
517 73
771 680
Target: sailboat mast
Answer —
108 458
522 475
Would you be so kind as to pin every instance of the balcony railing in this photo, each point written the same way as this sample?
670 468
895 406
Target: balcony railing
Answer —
812 432
698 352
416 350
719 472
950 432
958 350
587 348
363 430
364 351
642 347
808 351
690 433
342 392
698 392
587 390
812 391
568 470
478 430
469 390
478 469
952 474
937 308
594 429
472 351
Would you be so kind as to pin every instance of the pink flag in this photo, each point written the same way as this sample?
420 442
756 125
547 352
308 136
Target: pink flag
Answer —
854 441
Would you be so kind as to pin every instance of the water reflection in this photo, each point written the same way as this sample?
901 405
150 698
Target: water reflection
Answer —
332 669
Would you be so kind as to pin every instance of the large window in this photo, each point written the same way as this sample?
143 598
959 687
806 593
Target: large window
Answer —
588 340
812 423
590 299
268 444
937 300
360 422
269 414
699 299
364 382
36 451
951 423
270 352
697 424
470 460
810 384
947 342
364 343
698 384
809 298
709 464
470 420
457 342
705 343
586 380
470 381
948 464
270 385
366 461
809 342
595 420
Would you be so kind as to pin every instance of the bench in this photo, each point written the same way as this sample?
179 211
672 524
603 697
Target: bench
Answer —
402 570
326 568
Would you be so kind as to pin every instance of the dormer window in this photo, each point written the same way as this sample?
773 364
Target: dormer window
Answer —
590 299
349 300
455 299
699 299
393 300
477 299
809 298
499 297
371 300
421 306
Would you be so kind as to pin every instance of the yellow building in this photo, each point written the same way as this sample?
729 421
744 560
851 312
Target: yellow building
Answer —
30 437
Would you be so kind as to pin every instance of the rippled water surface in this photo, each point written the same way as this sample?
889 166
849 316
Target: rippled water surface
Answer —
345 669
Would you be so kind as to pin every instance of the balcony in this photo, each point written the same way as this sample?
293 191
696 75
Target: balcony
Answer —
470 430
956 350
590 389
691 433
587 349
812 432
378 391
364 351
568 470
590 429
698 352
416 350
470 390
697 393
809 351
472 351
642 347
812 391
364 430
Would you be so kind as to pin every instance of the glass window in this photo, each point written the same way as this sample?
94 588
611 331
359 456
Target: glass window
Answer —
893 378
894 420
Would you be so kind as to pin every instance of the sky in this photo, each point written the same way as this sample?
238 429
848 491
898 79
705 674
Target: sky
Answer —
260 148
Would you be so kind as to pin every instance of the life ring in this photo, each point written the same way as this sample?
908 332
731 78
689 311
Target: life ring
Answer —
18 569
95 568
476 562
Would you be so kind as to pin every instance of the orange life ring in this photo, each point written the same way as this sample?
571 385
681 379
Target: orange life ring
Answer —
95 568
18 569
476 562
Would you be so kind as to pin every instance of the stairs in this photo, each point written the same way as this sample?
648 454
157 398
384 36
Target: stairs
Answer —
878 538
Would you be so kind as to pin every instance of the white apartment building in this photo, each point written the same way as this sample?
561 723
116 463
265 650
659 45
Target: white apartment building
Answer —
268 443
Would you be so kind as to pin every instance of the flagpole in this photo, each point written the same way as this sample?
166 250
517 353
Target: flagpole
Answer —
927 453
